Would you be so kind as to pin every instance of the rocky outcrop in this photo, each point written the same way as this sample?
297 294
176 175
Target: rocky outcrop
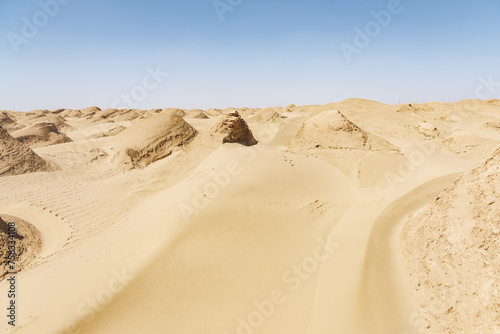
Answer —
233 129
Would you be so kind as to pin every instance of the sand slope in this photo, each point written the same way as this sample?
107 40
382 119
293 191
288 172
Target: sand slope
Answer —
452 251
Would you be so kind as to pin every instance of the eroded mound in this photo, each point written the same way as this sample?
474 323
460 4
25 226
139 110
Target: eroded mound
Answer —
266 115
40 135
8 121
176 111
112 132
90 111
17 158
71 113
233 129
452 249
26 240
201 115
415 108
153 139
332 130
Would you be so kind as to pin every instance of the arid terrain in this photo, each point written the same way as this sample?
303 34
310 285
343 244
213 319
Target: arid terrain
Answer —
354 217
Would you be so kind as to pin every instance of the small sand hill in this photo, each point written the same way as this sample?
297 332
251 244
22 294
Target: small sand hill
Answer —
332 130
233 129
468 145
32 117
113 132
357 153
176 111
201 115
128 115
38 112
28 243
7 121
58 120
212 112
452 249
17 158
57 111
117 115
153 139
71 113
265 115
192 113
415 108
427 129
243 112
107 113
90 111
40 135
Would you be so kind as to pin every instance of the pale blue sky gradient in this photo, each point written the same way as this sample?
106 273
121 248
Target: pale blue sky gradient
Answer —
264 53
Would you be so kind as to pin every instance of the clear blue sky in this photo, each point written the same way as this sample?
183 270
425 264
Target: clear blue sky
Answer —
264 52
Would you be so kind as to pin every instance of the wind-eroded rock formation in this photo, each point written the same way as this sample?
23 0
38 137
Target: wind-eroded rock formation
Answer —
234 129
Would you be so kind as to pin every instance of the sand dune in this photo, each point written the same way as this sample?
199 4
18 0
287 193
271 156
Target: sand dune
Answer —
256 220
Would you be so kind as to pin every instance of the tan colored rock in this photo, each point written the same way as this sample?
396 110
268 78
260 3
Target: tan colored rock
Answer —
234 129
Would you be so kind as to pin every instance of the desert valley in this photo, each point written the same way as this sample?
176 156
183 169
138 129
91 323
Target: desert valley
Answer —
354 217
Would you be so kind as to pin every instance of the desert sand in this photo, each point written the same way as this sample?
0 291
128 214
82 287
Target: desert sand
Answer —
354 217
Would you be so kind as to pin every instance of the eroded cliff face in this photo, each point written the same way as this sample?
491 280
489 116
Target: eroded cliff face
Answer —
452 247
